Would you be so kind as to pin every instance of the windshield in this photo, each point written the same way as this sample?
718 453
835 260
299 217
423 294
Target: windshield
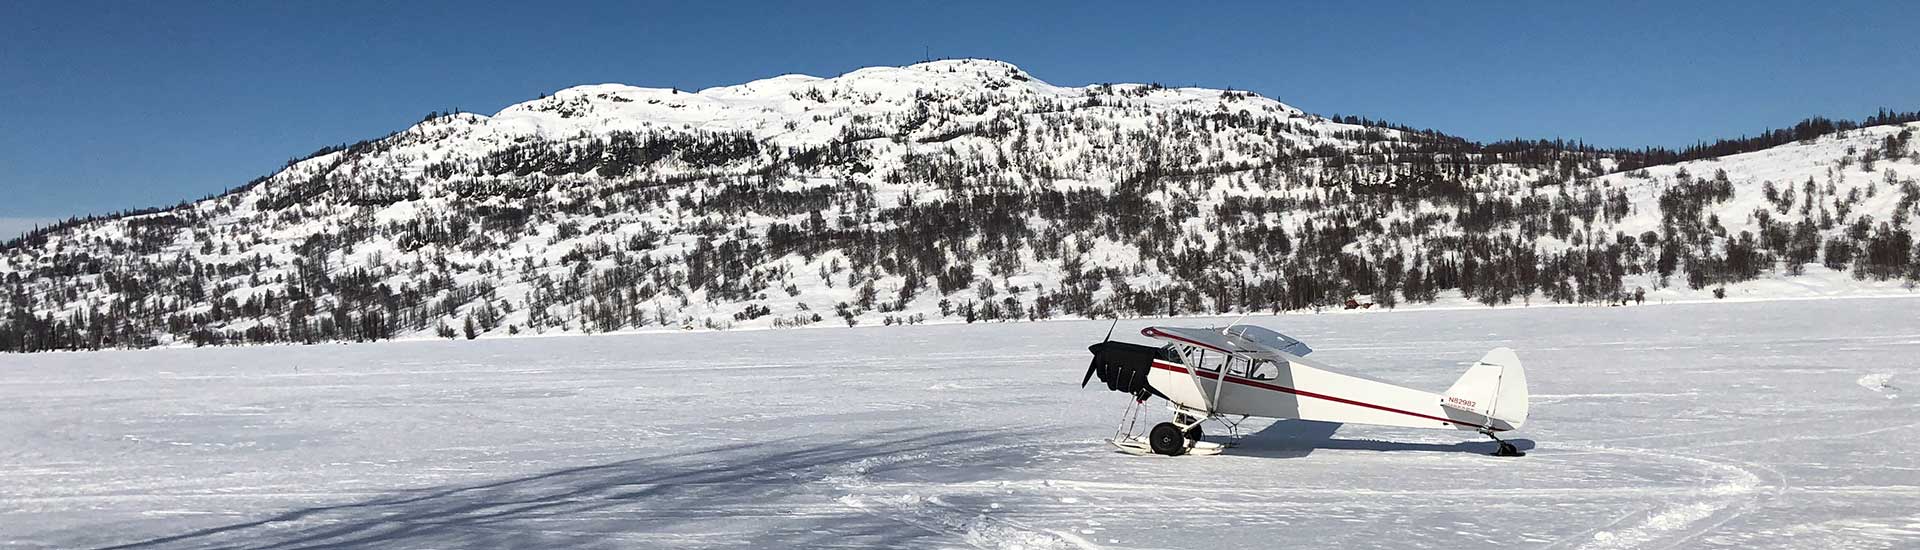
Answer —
1269 338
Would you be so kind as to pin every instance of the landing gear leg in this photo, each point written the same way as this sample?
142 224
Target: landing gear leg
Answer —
1506 449
1192 431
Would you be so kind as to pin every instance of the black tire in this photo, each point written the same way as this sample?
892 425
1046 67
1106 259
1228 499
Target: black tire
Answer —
1194 432
1167 439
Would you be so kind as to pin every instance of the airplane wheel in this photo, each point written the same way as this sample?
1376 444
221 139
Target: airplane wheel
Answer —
1167 439
1194 433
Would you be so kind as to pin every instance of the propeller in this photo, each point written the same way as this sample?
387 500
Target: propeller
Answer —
1094 365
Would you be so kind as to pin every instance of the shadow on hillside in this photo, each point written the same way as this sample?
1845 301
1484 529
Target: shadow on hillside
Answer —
763 494
1299 438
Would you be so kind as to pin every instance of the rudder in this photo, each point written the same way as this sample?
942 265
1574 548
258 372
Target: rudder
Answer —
1494 387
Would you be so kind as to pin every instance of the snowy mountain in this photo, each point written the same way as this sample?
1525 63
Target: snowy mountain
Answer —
958 190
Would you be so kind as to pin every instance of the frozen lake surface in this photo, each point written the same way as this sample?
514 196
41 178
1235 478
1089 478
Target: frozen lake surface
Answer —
1777 424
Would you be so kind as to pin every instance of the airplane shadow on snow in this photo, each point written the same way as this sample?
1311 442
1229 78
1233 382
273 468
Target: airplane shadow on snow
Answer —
674 500
1299 438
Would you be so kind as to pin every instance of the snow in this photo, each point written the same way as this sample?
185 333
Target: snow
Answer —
1881 382
1732 425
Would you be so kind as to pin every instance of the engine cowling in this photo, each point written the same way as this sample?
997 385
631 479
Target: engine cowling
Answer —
1123 367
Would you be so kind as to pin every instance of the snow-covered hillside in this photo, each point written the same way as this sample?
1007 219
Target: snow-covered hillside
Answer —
1844 200
951 191
1753 425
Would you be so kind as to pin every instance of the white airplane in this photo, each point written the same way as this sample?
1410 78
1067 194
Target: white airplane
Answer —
1266 375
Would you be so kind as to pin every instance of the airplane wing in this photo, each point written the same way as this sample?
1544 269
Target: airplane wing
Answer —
1209 339
1257 336
1245 340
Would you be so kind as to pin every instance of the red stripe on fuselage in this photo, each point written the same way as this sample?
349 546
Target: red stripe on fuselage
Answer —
1245 382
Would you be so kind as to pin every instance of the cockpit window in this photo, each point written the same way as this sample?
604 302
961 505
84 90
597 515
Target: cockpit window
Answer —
1170 355
1213 360
1264 370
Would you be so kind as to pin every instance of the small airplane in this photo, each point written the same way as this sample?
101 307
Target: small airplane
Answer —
1250 371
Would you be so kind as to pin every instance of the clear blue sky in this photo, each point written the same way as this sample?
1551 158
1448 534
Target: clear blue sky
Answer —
111 105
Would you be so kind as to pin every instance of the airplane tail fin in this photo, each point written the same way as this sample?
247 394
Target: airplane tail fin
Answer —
1495 387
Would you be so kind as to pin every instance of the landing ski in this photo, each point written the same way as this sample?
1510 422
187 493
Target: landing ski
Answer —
1138 446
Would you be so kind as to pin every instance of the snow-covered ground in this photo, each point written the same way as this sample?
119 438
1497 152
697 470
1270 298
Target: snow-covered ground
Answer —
1766 424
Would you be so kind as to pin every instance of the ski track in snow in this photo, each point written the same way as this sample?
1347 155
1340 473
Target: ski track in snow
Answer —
1675 525
923 508
1648 432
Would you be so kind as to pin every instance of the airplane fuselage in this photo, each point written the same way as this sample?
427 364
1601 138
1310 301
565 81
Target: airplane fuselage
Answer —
1333 397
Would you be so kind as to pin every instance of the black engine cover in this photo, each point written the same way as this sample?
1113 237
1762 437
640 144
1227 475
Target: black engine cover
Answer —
1124 367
